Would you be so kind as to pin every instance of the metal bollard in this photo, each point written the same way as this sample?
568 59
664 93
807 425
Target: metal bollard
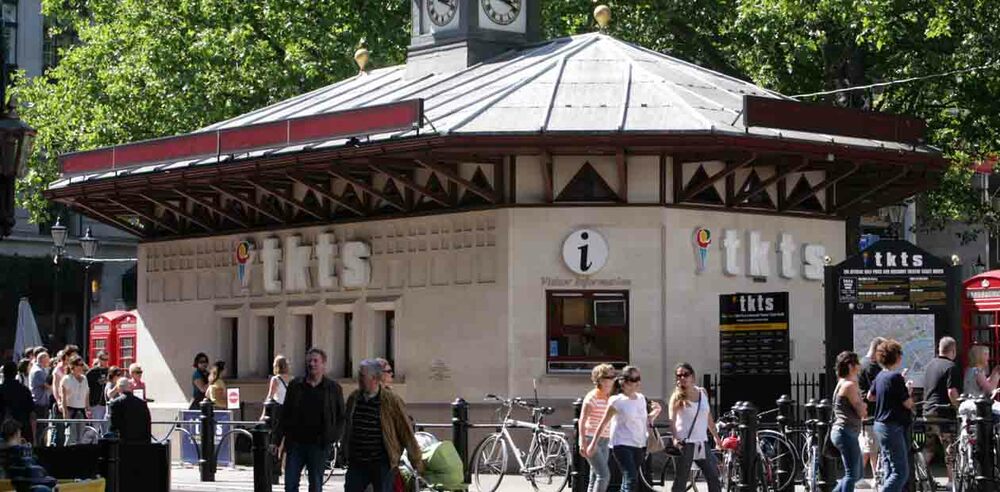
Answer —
824 416
206 464
261 458
110 451
984 444
270 406
581 468
460 432
785 466
746 415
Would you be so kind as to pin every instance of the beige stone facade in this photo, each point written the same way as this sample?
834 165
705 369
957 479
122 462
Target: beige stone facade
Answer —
467 293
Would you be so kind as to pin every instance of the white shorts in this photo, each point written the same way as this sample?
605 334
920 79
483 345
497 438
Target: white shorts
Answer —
868 441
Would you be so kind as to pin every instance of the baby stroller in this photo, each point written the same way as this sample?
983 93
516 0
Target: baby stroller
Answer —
442 467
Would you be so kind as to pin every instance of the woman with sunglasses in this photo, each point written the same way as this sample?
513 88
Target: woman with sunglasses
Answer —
692 421
631 417
595 406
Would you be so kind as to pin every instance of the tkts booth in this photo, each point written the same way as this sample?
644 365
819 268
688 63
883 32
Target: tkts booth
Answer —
496 211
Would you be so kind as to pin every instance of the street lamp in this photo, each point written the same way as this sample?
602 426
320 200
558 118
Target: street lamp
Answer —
979 267
89 243
16 138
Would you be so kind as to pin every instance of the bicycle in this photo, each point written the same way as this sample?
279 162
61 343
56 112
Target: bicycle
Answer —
923 481
547 463
966 465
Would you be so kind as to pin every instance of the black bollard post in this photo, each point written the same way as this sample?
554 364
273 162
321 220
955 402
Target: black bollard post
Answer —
206 464
746 415
984 444
824 417
460 432
111 452
261 458
581 468
786 465
270 407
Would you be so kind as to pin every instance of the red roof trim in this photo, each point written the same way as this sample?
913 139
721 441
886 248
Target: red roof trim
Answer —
401 116
831 120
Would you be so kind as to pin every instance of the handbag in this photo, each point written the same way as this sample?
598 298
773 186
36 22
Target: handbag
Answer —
672 449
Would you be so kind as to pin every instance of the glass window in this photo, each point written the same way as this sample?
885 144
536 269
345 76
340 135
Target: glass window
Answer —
126 351
586 328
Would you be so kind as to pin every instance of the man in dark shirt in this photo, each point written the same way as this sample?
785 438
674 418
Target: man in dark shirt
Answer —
16 402
378 431
129 415
942 381
869 371
97 377
312 419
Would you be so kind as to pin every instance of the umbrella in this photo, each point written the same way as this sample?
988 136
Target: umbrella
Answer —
27 330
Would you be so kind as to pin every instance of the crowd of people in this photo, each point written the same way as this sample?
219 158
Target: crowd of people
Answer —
877 386
39 386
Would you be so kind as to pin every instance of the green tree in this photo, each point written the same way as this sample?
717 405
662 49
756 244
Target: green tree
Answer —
147 69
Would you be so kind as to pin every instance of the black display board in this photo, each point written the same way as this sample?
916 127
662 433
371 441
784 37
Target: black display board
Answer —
892 289
753 348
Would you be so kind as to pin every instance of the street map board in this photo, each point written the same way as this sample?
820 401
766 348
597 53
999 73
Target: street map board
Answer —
892 289
915 332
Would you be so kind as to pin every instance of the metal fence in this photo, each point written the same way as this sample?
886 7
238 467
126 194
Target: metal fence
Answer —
804 387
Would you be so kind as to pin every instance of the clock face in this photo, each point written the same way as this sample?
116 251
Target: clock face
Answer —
502 12
441 12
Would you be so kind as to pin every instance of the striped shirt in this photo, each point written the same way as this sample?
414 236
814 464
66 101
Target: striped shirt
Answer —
367 444
599 406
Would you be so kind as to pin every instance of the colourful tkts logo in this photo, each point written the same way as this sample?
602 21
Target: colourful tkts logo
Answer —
243 251
702 240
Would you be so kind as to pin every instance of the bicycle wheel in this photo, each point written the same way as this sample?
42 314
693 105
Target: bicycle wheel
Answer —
331 464
549 463
654 470
782 460
489 463
923 480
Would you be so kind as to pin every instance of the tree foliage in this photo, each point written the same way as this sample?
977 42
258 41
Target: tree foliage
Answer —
148 69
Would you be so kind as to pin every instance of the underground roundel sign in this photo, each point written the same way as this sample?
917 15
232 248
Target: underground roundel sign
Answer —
585 252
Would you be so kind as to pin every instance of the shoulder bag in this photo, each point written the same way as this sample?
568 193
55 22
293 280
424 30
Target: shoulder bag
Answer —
672 449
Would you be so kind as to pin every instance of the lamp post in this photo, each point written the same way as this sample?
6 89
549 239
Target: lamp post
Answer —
16 138
89 243
979 267
58 248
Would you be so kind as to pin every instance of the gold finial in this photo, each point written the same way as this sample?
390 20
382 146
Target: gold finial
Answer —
603 16
361 55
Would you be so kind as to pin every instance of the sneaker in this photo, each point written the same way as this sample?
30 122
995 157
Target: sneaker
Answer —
863 484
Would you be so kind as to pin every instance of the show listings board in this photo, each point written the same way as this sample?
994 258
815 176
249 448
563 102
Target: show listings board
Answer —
753 347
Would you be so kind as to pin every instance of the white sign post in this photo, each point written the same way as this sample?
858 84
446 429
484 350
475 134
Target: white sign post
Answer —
233 398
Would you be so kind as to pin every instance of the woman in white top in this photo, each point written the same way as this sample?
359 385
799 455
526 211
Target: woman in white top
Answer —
630 418
692 421
978 380
595 406
278 386
76 399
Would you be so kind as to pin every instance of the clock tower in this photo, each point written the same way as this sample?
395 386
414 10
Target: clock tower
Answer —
450 35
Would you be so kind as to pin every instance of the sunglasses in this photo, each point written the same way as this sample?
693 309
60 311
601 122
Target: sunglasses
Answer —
682 375
136 372
632 380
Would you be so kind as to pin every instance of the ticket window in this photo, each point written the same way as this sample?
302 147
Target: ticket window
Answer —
586 328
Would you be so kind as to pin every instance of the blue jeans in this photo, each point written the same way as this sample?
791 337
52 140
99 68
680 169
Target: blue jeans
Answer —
629 459
376 473
846 441
895 455
600 470
309 456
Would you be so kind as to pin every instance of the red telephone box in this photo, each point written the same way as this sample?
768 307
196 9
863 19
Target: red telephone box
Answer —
114 332
981 314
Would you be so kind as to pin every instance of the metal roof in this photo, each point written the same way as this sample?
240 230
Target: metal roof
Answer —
591 83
